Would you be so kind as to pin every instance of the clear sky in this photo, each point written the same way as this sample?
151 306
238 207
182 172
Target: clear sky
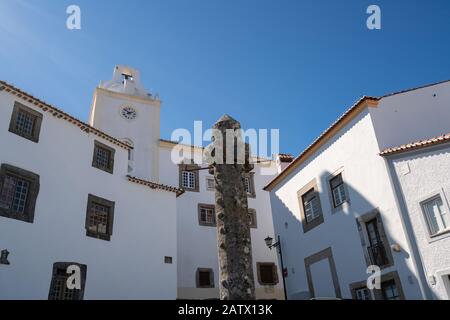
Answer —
292 65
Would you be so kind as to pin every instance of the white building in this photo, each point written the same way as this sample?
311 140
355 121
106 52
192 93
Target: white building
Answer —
105 196
335 206
421 176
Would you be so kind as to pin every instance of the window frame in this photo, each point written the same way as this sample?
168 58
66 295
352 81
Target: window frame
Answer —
274 273
211 278
92 199
210 178
425 215
65 265
98 145
206 206
37 123
32 193
189 167
361 223
253 219
346 202
309 225
251 193
360 285
390 277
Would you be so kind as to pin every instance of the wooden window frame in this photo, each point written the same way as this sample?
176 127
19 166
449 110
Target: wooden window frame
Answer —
274 273
101 201
65 265
188 167
34 137
98 145
308 226
211 277
33 192
207 206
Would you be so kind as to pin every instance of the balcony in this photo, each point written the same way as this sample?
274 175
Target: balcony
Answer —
377 254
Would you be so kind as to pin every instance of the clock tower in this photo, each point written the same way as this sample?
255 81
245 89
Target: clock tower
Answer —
122 108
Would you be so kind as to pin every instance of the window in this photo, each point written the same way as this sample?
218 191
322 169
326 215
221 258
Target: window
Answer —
58 286
210 184
363 294
18 193
249 182
391 287
338 192
436 215
376 246
99 218
188 180
168 260
206 215
103 157
267 273
252 214
310 207
205 278
389 290
189 177
25 122
360 291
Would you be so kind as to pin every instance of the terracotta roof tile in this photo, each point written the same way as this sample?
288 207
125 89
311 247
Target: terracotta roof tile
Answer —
284 157
416 145
60 114
155 185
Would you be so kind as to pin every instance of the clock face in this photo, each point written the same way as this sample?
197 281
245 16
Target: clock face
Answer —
128 113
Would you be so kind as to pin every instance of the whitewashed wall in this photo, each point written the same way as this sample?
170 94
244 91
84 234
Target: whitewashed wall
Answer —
355 149
130 266
413 115
197 245
142 131
421 175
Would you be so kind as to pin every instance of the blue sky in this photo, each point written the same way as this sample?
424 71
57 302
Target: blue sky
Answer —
293 65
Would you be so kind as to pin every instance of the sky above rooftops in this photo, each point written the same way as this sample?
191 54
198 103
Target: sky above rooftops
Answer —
290 65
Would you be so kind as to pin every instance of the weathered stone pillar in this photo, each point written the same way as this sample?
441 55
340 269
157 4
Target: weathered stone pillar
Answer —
236 281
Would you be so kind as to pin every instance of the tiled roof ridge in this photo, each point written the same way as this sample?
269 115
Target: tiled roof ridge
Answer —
416 145
155 185
44 106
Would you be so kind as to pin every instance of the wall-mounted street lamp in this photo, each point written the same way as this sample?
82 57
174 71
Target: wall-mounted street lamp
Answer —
270 245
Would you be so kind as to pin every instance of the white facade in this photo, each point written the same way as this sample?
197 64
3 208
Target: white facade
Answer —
152 223
331 258
422 177
130 265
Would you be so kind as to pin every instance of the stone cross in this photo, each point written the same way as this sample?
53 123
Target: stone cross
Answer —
236 281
